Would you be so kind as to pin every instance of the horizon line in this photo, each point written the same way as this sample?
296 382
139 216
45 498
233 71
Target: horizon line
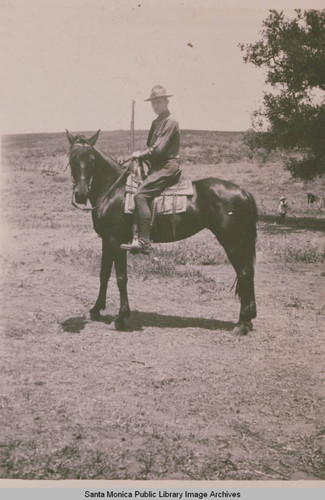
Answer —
122 130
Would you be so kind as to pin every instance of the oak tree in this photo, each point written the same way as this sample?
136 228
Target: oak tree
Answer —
292 115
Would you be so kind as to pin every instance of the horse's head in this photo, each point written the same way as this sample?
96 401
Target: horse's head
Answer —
82 163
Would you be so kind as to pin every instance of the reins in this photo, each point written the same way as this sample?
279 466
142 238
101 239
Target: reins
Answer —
112 187
110 190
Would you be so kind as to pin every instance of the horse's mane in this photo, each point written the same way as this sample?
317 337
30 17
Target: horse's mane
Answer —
109 160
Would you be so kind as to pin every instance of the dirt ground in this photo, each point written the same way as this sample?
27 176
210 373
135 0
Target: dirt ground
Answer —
175 396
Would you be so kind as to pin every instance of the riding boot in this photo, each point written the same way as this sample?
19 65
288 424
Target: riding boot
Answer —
144 232
142 244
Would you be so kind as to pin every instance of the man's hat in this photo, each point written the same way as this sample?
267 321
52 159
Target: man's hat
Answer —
283 198
156 92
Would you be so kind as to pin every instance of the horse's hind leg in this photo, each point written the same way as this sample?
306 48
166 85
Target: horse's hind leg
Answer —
244 268
240 249
105 273
120 260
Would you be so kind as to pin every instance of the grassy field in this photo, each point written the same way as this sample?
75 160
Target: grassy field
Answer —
176 395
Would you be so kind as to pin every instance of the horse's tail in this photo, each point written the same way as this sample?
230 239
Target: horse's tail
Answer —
248 233
251 225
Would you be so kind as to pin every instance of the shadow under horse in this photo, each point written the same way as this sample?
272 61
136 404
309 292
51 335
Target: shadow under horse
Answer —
228 211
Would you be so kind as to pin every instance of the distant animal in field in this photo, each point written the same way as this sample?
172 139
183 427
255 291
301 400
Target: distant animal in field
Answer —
312 198
228 211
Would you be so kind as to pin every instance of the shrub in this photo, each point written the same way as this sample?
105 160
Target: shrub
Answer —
307 256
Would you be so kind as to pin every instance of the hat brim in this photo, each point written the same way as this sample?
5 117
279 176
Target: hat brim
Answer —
157 97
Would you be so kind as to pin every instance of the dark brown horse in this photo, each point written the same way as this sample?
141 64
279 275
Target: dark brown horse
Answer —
221 206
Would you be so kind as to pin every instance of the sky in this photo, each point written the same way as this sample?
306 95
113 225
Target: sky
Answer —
78 64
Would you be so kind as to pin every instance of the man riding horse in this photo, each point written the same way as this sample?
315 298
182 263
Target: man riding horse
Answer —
162 154
220 206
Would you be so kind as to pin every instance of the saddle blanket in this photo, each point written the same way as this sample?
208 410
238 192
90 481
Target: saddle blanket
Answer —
172 200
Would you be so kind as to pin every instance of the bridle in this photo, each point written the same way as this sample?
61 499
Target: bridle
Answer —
107 194
111 188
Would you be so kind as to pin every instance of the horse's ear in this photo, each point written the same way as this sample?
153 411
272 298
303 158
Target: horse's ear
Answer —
94 138
70 137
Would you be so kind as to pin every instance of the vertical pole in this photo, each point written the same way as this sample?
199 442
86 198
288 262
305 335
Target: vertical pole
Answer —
132 128
132 141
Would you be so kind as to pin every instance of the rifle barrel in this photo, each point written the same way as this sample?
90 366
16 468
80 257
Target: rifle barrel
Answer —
132 128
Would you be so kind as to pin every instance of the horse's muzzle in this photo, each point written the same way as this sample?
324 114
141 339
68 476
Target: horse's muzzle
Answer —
80 198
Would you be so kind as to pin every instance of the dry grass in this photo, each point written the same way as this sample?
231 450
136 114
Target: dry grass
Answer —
176 395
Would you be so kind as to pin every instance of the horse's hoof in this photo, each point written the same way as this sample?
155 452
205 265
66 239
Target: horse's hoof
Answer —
119 324
94 314
243 328
127 314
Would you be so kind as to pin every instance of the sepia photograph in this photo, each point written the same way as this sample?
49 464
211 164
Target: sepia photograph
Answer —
162 192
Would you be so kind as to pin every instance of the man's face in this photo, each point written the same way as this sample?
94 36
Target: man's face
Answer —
159 105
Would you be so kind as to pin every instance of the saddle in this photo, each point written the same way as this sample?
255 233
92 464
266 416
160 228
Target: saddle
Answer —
171 201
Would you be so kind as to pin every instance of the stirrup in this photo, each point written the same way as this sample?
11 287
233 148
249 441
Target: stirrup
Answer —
137 247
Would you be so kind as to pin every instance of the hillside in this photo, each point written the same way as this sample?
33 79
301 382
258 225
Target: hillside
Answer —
203 153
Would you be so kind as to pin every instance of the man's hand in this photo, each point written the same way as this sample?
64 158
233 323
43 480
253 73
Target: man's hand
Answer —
136 155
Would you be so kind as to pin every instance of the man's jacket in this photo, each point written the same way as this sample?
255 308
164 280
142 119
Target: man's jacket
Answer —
163 141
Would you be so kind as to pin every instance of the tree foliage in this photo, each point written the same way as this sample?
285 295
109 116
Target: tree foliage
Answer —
293 109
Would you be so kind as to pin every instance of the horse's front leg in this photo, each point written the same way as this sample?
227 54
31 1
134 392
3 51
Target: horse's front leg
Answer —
120 260
105 273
